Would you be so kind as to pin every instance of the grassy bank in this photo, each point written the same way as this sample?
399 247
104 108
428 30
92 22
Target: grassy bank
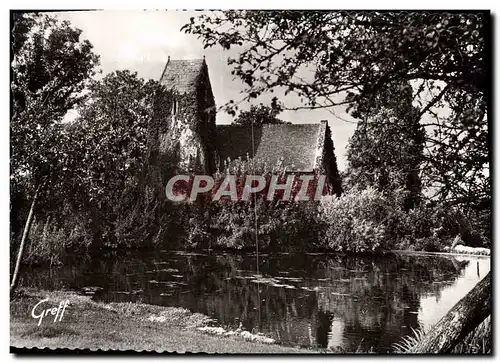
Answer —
120 326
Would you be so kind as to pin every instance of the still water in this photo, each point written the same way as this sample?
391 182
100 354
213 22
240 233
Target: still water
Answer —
340 302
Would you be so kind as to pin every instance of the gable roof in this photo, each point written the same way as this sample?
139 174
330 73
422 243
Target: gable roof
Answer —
295 143
182 75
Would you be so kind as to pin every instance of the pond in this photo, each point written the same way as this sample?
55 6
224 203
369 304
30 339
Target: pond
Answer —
341 302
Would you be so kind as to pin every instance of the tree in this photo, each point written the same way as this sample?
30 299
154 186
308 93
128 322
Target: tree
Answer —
259 115
353 52
50 68
463 318
115 125
347 58
386 150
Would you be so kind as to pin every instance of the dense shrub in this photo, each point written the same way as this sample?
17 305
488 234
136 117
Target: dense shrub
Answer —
371 220
366 220
357 221
51 244
281 226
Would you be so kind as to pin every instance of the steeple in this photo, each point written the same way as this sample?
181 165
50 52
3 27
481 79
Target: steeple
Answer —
182 75
190 121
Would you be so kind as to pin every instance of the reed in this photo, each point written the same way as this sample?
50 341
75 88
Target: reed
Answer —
477 341
50 244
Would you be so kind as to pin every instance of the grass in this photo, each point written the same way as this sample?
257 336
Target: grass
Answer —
120 326
476 342
410 341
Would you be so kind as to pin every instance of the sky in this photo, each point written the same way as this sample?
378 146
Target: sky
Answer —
142 41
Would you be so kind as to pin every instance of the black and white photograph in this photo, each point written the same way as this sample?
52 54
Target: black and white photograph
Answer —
251 181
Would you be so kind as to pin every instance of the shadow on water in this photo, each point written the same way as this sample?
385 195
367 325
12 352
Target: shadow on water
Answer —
322 301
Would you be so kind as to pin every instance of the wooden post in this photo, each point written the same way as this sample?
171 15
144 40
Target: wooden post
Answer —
455 242
463 318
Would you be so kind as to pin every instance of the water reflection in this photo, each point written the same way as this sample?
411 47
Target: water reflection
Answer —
338 302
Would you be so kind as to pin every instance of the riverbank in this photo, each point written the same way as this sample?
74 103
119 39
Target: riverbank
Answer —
457 252
86 324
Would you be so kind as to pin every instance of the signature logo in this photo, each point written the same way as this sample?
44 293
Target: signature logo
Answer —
39 312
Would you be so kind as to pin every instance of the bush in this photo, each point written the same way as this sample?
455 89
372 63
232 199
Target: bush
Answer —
358 221
51 244
281 226
432 225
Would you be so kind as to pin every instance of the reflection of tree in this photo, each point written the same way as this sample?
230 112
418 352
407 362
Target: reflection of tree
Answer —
375 298
325 320
381 302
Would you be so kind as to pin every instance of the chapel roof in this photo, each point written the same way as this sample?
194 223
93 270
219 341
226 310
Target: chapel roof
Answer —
182 75
295 143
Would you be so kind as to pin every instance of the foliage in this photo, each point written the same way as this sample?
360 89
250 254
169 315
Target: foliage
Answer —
358 221
478 341
112 193
113 125
50 68
353 57
386 150
275 226
410 341
280 225
372 220
355 52
115 187
259 115
50 244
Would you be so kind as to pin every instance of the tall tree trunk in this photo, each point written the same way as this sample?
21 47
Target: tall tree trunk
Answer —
464 317
26 232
